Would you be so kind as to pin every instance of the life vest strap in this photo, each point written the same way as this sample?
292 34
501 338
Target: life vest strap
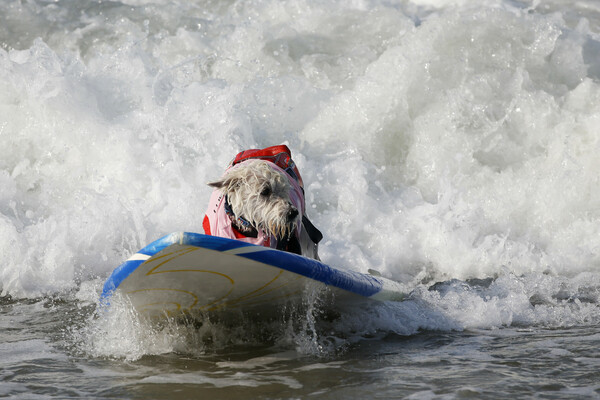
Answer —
313 233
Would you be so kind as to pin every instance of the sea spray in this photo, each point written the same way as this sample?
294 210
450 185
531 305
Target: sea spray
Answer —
440 142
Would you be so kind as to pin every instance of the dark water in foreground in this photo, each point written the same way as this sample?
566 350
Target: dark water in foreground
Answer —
42 359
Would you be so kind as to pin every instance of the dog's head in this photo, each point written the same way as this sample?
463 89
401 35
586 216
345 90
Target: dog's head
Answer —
261 194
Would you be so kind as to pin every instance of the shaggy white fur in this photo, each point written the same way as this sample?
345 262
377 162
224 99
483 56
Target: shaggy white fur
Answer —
261 195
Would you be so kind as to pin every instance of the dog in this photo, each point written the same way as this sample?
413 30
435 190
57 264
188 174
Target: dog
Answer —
260 200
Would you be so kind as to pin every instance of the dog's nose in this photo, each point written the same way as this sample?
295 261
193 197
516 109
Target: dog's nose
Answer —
292 213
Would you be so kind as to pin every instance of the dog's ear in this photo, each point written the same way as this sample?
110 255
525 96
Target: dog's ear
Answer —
216 184
227 184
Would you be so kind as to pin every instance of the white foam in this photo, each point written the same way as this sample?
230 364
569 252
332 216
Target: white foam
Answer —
239 379
438 140
28 351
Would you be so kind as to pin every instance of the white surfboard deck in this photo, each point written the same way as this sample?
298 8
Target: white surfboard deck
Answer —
194 273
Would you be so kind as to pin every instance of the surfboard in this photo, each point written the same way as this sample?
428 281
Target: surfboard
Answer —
194 273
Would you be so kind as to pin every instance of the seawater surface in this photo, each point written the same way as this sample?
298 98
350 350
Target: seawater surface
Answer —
448 144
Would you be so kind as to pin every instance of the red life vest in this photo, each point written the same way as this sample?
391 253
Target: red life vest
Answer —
278 155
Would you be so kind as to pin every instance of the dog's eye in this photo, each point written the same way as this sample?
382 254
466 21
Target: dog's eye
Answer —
266 191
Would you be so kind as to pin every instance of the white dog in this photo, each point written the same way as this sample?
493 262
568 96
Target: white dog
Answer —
260 200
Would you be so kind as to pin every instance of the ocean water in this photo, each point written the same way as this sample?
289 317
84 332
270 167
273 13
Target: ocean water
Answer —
451 145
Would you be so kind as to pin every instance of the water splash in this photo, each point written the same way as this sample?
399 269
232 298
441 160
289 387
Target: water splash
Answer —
440 141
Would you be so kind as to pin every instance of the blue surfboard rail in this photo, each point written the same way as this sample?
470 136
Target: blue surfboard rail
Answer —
355 282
